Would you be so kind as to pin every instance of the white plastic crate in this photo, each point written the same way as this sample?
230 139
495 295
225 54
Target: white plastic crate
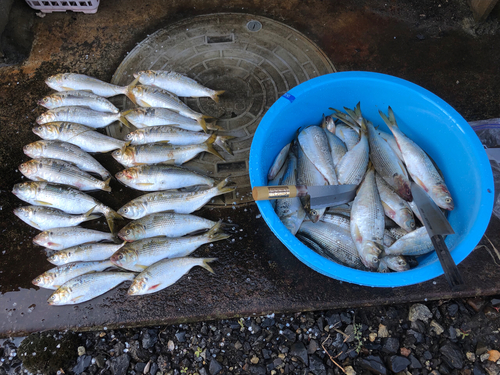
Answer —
87 6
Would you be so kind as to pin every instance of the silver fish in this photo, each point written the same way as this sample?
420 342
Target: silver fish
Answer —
161 177
64 237
179 202
420 166
414 208
81 115
347 135
279 162
66 198
397 232
393 262
87 252
338 220
367 221
62 172
177 84
389 138
155 116
395 207
55 277
167 224
290 210
152 153
335 241
314 144
79 135
67 152
328 124
414 243
139 255
352 167
86 287
78 98
74 81
388 239
44 218
164 273
337 148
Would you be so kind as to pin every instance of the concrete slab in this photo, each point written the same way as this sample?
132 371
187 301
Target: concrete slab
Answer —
437 47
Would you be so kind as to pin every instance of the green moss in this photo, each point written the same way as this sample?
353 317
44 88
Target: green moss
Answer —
48 352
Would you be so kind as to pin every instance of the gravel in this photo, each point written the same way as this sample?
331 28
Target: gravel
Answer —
459 337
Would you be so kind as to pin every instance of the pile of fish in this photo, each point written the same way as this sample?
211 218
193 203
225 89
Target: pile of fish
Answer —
157 244
378 231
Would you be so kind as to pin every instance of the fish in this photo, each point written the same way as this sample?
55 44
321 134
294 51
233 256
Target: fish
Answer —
175 136
152 153
389 138
79 135
168 224
414 208
414 243
168 200
279 162
83 116
75 81
388 239
314 144
161 177
419 166
335 241
55 277
308 175
87 252
337 219
80 98
155 116
367 221
88 286
347 135
328 124
66 198
164 273
393 262
290 210
395 207
337 148
352 167
67 152
148 96
44 218
397 232
177 84
62 172
138 255
64 237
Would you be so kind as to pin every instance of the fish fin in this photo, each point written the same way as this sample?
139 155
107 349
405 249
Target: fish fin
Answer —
111 215
206 266
141 266
154 287
215 96
222 142
124 121
42 203
89 212
202 122
389 211
76 299
209 148
420 183
168 162
214 229
34 225
357 234
106 185
145 183
70 89
392 118
128 91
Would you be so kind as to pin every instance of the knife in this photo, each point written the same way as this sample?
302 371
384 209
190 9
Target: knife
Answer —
437 225
320 196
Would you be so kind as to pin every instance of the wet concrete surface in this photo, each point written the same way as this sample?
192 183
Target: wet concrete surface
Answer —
433 44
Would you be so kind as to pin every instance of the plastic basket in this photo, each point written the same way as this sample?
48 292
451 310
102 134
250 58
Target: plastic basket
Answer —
87 6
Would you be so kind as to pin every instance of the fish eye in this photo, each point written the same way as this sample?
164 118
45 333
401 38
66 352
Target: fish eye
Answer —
314 212
120 257
128 231
447 200
125 209
412 224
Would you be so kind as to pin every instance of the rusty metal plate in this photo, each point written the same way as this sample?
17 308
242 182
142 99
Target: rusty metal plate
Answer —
254 59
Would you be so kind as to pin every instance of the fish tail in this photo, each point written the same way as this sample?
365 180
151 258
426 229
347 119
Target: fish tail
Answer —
222 189
128 90
214 229
202 122
230 227
106 186
222 142
215 96
206 266
123 120
88 215
389 121
111 215
209 146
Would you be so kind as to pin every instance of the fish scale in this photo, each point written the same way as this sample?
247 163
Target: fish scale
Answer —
352 166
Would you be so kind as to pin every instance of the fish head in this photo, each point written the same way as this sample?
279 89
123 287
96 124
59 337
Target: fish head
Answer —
132 232
125 155
59 257
370 254
329 124
25 190
59 297
29 168
132 210
46 102
46 117
128 174
56 81
442 197
34 149
45 279
124 257
135 136
397 263
408 220
139 286
146 77
47 131
22 212
43 238
403 187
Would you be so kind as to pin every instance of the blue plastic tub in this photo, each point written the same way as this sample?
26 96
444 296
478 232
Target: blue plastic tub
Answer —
425 118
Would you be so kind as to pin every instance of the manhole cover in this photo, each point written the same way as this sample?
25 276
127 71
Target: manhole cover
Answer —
254 59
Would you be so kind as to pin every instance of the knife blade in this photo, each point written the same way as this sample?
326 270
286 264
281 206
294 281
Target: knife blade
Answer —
320 196
437 225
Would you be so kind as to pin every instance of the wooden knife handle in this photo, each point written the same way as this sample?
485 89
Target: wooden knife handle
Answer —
261 193
450 269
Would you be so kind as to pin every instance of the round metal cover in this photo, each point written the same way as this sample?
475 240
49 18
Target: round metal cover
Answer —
222 52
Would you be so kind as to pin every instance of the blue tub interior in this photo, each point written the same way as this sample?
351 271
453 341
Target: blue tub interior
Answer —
425 118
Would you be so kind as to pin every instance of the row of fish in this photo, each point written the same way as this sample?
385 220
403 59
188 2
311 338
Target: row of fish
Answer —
353 151
168 132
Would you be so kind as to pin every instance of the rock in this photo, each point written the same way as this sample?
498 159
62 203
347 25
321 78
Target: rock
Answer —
312 347
118 348
119 365
382 331
316 365
452 332
181 336
266 354
289 335
82 363
398 363
257 370
452 355
201 371
81 350
345 318
299 350
492 368
419 311
405 352
139 367
478 370
494 355
237 345
154 368
170 345
334 320
255 328
349 331
414 362
254 360
100 361
349 370
374 364
484 357
437 327
471 357
418 326
214 367
453 309
148 340
372 336
391 345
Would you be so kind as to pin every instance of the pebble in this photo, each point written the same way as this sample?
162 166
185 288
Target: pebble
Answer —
81 350
374 364
437 327
382 331
398 363
299 350
452 355
215 367
419 311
